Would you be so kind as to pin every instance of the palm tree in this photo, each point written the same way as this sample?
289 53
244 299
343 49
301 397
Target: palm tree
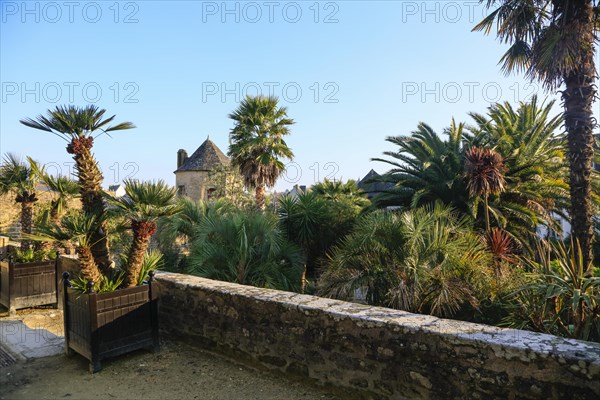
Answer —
534 161
20 179
142 205
257 142
246 247
75 230
425 169
423 260
79 127
63 187
553 41
484 172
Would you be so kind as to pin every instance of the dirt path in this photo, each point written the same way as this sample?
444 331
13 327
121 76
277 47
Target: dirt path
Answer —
178 371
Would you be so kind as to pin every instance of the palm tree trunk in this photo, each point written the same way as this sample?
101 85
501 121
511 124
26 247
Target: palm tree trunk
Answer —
90 181
260 197
89 269
26 223
142 232
578 98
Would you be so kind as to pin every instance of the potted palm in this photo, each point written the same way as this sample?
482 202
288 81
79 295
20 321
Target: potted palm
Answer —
27 275
109 309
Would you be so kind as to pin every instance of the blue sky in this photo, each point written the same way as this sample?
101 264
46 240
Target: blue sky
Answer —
350 73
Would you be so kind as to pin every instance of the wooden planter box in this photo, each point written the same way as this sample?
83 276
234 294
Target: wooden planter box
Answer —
25 285
102 325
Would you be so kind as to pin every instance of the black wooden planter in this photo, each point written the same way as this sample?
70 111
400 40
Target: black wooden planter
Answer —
25 285
102 325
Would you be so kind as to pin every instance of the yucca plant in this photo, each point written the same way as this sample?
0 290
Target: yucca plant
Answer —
562 297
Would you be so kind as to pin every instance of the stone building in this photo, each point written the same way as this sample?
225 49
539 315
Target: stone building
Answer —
193 175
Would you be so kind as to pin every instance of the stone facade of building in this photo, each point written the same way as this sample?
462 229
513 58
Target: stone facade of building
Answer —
193 175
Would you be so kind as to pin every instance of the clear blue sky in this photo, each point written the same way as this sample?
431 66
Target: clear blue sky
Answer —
350 73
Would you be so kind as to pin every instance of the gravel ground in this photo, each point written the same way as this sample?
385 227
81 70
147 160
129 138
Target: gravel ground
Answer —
178 371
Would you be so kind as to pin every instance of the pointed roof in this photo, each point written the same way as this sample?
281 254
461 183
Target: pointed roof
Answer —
372 188
205 158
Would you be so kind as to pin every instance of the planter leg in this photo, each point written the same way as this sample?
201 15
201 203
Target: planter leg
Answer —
68 351
95 366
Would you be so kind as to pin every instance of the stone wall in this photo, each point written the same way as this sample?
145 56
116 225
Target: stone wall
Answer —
375 352
195 183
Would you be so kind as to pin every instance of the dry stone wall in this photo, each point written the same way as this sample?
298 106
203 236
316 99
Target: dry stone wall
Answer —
374 352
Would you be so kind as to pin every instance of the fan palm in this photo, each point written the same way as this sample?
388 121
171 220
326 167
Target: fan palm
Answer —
20 179
257 142
246 247
63 187
75 230
79 127
142 205
422 260
553 41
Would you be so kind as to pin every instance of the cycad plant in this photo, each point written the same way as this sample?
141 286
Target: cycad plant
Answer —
20 179
246 247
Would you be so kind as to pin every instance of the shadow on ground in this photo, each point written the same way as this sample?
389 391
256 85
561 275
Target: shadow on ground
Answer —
178 371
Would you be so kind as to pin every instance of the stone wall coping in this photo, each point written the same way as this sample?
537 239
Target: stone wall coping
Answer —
506 343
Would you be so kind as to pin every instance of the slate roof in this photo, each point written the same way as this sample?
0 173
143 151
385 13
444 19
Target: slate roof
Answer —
205 158
373 188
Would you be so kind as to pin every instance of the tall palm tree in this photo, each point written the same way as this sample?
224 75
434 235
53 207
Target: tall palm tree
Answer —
257 142
79 127
20 179
553 41
142 205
